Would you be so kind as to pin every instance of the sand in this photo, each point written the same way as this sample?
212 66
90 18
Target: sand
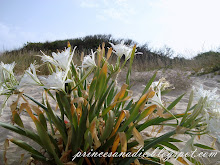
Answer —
138 80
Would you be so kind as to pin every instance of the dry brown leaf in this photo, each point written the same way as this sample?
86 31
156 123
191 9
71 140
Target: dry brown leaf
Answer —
85 94
21 158
65 156
109 53
6 145
28 109
121 94
94 134
72 108
160 129
82 56
138 136
79 113
121 117
180 159
114 146
136 162
69 133
123 141
36 109
99 55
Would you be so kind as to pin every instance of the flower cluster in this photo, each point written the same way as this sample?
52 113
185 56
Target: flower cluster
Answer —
211 108
122 49
158 87
8 82
89 60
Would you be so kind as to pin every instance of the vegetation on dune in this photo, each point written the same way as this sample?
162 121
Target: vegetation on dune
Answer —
207 62
203 63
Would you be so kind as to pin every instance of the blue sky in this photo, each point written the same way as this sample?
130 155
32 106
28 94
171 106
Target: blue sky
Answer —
187 26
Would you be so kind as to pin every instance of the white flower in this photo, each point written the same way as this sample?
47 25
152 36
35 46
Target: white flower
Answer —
8 82
121 49
161 85
6 71
188 147
2 106
7 78
8 67
30 77
211 112
214 126
1 89
61 60
157 87
56 81
212 103
128 51
46 58
89 61
156 99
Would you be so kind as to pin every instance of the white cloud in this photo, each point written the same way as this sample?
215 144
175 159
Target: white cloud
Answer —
89 4
15 37
116 10
189 25
12 37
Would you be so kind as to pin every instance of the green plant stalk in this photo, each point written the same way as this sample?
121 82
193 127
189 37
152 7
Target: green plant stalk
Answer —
57 123
22 131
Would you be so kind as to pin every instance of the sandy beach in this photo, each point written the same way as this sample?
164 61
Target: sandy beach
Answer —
138 80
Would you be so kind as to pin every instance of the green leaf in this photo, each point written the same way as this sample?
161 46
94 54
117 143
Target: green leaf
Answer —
17 119
130 66
82 127
43 120
60 106
156 121
101 83
37 157
203 146
39 104
170 145
83 78
188 107
109 126
26 147
168 163
57 123
66 104
110 96
101 101
23 132
175 102
45 139
92 88
149 83
166 91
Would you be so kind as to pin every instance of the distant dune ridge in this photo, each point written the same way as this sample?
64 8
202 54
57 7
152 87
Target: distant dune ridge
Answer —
150 59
